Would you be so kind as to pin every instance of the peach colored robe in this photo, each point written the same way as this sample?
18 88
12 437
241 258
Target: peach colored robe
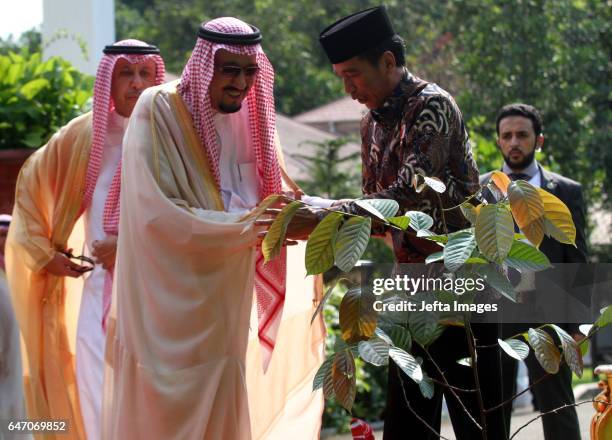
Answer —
182 354
46 306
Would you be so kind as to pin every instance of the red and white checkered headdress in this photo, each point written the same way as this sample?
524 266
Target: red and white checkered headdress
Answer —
193 88
270 278
102 105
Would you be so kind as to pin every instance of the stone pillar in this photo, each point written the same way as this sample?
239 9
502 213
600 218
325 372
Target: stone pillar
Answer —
69 26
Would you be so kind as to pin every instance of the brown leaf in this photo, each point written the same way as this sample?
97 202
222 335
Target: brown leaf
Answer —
344 379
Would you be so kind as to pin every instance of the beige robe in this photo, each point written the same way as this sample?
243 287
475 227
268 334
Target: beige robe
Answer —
182 317
47 203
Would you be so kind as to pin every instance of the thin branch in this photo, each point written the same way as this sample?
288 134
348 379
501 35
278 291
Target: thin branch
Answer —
556 410
436 433
443 216
466 200
452 389
447 385
483 414
545 376
507 401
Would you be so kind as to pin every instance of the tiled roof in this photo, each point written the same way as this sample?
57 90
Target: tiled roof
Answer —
343 109
296 139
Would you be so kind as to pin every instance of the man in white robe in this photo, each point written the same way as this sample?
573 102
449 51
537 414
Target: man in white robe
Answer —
127 68
199 154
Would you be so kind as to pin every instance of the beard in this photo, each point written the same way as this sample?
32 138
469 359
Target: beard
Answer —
229 108
521 164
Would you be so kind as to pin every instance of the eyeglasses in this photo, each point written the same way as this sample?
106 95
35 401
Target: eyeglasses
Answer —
234 71
82 261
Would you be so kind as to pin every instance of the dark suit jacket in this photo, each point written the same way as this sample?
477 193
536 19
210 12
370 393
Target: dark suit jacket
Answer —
570 193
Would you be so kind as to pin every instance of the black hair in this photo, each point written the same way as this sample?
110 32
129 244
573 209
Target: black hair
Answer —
394 44
524 110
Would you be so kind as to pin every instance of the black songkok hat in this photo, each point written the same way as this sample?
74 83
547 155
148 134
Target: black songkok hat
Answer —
355 34
116 49
238 39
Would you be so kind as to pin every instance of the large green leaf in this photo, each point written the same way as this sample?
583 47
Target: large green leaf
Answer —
419 220
400 336
322 373
527 210
352 241
357 316
523 256
494 231
407 363
571 350
375 351
380 208
344 379
272 243
497 281
423 326
320 245
546 351
458 249
514 348
387 207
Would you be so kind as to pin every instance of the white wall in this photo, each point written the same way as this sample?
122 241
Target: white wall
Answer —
91 22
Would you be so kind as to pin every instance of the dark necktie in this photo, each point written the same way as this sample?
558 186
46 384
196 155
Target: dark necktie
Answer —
518 176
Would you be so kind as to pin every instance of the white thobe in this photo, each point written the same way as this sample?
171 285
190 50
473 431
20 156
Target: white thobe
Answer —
237 164
90 335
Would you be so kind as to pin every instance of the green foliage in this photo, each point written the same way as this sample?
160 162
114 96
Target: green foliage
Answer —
29 41
487 53
329 173
38 97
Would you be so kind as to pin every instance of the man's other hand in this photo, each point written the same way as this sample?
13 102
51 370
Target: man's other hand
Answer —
61 266
104 251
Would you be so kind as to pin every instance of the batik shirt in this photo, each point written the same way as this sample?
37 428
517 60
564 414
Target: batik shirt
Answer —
418 130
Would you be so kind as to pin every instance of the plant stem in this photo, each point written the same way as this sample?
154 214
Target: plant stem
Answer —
558 409
452 390
483 414
436 433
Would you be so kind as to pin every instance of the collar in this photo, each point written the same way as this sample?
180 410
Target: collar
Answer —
531 170
392 109
116 121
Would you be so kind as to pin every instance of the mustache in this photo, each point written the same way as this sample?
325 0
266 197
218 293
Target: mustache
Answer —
134 93
233 89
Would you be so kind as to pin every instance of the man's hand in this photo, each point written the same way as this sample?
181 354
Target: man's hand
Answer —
61 266
104 251
578 337
302 224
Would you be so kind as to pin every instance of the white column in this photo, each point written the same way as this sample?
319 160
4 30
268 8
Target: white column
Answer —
70 24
